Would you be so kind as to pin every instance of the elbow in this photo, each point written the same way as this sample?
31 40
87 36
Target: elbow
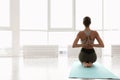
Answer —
73 46
102 45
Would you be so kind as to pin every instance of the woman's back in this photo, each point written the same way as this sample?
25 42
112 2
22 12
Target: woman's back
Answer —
87 36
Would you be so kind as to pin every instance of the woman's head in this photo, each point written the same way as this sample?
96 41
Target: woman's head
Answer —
86 21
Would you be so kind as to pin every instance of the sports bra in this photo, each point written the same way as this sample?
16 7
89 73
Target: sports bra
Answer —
87 33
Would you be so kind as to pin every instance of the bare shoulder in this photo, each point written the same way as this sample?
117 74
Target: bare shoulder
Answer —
80 33
94 31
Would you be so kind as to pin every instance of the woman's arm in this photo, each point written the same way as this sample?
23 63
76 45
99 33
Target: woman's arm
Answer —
75 43
100 42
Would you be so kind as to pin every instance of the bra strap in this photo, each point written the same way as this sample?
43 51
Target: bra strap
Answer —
87 32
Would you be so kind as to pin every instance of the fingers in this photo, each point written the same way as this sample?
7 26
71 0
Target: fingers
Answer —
87 46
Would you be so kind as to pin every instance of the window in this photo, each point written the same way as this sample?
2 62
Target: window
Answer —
93 9
111 14
5 39
33 38
33 14
61 38
4 13
61 14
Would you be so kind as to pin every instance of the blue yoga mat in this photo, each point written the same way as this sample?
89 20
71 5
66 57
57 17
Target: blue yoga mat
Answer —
97 71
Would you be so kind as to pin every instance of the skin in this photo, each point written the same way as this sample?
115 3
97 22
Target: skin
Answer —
93 35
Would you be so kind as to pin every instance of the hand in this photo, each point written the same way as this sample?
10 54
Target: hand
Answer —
87 46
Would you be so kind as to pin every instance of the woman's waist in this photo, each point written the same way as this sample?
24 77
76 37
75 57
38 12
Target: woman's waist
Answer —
91 50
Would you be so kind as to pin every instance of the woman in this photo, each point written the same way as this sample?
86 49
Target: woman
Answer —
87 55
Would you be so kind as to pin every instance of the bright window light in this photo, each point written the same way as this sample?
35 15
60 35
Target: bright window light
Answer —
33 38
61 38
5 39
61 14
91 8
33 14
111 14
5 13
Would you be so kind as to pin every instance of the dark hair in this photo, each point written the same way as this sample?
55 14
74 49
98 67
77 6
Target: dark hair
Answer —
86 21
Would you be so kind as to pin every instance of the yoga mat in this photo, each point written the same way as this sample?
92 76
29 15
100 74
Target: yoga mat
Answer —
97 71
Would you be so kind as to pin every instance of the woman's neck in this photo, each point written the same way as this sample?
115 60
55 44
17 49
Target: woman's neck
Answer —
87 29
